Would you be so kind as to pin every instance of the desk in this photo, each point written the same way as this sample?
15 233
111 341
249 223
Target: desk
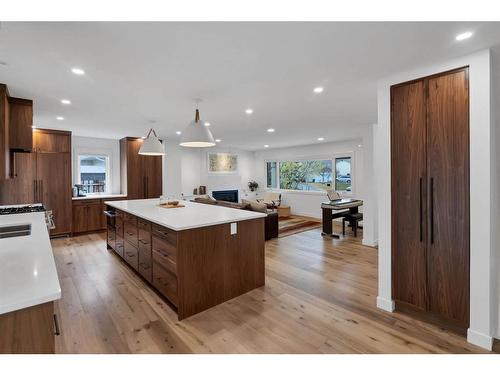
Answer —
342 207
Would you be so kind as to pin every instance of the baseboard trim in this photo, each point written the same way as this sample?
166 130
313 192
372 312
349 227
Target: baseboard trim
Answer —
385 304
480 339
373 243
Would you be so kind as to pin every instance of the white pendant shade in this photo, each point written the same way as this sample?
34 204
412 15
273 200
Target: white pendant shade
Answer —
197 135
152 145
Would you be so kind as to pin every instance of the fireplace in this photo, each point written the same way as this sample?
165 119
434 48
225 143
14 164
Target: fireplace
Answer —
226 195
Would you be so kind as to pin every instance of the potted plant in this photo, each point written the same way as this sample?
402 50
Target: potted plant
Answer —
253 185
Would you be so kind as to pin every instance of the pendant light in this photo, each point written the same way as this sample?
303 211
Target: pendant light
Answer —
196 134
152 145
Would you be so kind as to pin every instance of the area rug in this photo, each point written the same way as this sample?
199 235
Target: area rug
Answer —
295 224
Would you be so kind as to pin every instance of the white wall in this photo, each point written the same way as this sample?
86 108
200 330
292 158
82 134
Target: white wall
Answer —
110 147
496 178
483 310
186 169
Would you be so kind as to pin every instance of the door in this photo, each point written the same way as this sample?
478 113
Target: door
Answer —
54 186
448 204
408 163
21 188
152 168
80 218
94 216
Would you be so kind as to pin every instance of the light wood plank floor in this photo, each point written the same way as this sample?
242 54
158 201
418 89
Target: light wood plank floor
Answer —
319 298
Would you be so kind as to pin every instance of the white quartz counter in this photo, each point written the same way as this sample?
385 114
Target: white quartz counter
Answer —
100 196
28 274
193 215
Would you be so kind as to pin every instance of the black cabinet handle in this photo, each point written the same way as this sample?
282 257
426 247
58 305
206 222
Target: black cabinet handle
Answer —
56 326
432 210
420 209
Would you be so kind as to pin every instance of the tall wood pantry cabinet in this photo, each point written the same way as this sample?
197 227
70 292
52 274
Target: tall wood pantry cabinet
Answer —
43 176
430 196
141 176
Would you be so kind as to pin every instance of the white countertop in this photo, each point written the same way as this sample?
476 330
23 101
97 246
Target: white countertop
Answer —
100 196
193 215
28 274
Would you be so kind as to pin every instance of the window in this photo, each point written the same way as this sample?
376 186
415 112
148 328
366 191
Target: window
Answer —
272 176
93 173
306 175
343 181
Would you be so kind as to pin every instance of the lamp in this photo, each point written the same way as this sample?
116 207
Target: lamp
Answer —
196 134
152 145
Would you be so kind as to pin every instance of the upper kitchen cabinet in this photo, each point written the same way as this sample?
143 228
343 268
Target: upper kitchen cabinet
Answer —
141 176
20 124
51 141
4 134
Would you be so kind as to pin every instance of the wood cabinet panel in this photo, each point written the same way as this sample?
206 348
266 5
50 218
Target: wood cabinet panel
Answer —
4 134
94 216
430 196
165 249
152 167
408 163
21 188
448 164
131 255
165 282
51 140
130 233
120 245
28 331
20 124
79 218
54 188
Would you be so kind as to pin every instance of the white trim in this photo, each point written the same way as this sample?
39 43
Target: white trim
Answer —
479 339
106 152
373 243
385 304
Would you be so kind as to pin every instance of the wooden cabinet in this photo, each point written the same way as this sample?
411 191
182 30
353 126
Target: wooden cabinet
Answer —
141 176
51 140
20 124
87 215
21 188
4 134
29 331
430 195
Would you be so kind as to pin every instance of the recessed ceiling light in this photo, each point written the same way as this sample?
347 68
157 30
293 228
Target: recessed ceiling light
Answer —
78 71
143 137
207 124
178 132
33 127
60 118
317 90
359 145
270 130
266 146
217 140
321 139
65 101
249 111
464 36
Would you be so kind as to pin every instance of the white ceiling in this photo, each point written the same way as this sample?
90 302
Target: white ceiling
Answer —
138 72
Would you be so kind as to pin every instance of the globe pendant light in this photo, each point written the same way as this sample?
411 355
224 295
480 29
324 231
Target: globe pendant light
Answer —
152 145
196 134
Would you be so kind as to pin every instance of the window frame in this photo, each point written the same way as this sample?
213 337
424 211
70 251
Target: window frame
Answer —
333 157
108 154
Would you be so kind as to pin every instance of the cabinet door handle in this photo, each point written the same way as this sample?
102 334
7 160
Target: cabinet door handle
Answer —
57 332
432 210
34 192
420 209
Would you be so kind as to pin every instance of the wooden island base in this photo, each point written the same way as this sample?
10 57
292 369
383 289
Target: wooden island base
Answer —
195 269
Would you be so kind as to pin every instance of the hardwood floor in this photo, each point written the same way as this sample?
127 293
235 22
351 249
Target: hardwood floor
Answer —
319 297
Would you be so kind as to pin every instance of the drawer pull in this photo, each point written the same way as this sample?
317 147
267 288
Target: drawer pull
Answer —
57 331
129 254
144 265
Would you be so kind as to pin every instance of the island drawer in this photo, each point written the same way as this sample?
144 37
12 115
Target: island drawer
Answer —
165 282
130 233
145 264
165 233
111 237
164 250
130 218
131 255
119 247
119 226
144 234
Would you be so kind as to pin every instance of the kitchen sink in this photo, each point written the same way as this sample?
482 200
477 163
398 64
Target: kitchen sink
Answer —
15 230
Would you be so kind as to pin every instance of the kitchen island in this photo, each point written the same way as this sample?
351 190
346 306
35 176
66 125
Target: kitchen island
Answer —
196 256
29 285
